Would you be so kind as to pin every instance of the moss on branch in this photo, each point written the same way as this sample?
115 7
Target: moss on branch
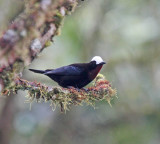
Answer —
100 90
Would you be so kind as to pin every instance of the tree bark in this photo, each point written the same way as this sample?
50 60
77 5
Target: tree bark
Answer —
6 119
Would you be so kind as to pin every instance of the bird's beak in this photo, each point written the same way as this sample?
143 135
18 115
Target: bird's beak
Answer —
102 63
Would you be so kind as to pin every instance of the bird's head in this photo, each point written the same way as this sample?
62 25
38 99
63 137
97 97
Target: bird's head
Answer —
98 60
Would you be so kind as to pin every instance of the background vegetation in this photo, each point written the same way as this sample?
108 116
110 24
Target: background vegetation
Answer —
126 35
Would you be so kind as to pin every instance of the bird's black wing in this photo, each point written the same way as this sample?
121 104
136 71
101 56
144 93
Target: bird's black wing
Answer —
70 70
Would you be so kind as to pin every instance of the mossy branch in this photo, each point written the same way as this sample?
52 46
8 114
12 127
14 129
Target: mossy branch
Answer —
100 90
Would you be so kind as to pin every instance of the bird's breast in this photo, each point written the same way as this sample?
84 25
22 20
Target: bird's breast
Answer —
93 73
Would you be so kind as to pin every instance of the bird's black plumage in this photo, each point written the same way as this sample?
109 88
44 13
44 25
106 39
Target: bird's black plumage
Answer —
76 75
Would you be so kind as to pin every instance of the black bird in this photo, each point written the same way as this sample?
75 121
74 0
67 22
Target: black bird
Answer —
75 75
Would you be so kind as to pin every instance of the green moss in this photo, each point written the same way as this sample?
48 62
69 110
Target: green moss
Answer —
48 43
70 7
101 90
58 18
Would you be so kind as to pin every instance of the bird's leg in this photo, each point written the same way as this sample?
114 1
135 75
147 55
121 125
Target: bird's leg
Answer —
84 89
71 87
77 88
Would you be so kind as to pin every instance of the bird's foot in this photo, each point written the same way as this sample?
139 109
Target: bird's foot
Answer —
84 89
71 87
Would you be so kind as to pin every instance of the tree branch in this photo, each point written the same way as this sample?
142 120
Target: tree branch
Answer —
30 33
101 90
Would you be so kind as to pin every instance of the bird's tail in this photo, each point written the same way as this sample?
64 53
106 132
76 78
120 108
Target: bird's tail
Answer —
38 71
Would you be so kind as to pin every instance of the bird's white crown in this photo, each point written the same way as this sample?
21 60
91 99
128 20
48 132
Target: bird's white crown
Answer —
98 59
